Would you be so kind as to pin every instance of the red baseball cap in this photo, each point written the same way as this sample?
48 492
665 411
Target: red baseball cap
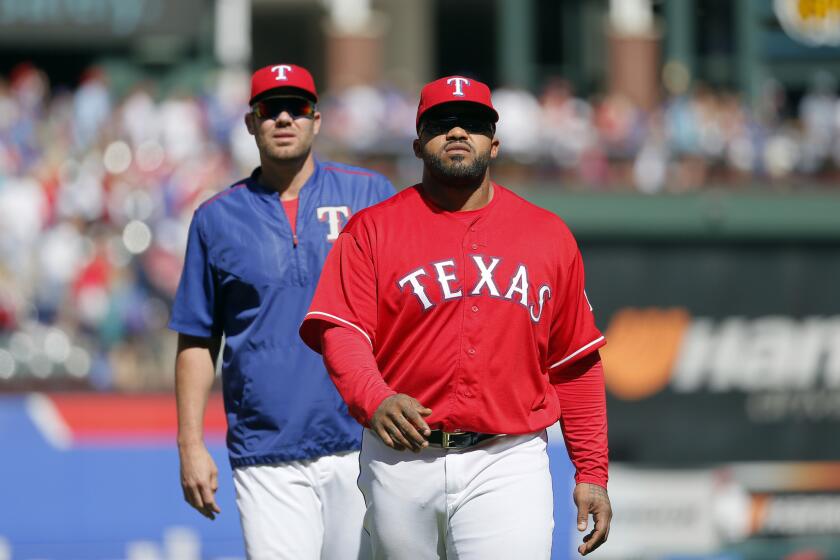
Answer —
280 77
454 89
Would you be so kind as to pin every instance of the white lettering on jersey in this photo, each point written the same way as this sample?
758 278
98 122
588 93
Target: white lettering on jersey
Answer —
416 287
458 82
545 290
444 279
519 285
486 276
451 282
330 214
281 70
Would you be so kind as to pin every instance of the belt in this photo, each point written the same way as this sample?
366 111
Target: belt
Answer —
456 440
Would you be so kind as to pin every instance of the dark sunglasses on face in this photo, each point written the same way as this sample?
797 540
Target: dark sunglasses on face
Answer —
296 107
435 126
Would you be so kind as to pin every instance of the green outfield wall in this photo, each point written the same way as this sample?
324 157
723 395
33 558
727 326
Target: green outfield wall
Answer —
709 216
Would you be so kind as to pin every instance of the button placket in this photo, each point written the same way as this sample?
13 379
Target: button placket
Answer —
470 325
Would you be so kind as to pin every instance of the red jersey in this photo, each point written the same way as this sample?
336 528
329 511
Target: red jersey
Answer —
474 313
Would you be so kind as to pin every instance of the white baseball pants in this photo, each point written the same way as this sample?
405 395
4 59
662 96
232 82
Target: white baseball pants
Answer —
486 502
303 510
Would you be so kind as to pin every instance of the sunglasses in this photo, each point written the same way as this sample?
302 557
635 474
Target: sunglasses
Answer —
296 107
435 126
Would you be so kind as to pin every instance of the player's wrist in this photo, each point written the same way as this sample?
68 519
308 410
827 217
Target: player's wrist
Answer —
376 400
588 479
190 441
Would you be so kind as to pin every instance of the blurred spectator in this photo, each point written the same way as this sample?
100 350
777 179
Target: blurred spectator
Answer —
518 129
650 168
566 123
91 107
138 117
817 111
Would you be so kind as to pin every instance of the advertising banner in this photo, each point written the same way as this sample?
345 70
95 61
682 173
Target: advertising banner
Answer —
95 476
739 511
659 512
719 353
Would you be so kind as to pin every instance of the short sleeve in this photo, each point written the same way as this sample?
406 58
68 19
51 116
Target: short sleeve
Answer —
573 333
195 309
346 292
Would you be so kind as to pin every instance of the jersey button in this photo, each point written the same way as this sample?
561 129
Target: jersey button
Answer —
474 246
474 309
471 351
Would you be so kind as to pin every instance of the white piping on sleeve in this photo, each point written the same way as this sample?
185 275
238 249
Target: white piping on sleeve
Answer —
576 352
343 321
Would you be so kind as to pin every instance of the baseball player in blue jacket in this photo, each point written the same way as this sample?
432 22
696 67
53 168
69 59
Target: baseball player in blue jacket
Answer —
253 259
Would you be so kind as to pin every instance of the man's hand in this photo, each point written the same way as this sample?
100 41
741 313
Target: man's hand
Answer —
592 499
399 423
199 479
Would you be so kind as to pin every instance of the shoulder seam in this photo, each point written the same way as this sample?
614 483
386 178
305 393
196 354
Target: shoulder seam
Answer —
348 171
225 192
396 198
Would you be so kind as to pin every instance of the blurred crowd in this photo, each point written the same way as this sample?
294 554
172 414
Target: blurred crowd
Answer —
96 194
97 189
699 138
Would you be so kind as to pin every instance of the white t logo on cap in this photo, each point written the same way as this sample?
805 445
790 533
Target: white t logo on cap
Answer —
458 82
281 71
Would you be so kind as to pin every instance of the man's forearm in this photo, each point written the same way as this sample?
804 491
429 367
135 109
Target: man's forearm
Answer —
583 417
195 373
352 367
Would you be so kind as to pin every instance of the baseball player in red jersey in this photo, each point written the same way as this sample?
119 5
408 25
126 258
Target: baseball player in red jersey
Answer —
453 320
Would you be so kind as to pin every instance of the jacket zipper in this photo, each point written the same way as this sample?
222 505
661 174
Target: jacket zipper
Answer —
295 239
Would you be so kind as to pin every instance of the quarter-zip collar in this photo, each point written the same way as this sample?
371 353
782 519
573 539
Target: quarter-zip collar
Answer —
263 190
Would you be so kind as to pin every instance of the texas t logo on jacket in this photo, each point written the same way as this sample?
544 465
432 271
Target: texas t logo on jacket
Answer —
330 214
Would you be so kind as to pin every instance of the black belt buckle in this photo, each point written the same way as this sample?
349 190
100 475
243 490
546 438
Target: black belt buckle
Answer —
447 441
457 439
